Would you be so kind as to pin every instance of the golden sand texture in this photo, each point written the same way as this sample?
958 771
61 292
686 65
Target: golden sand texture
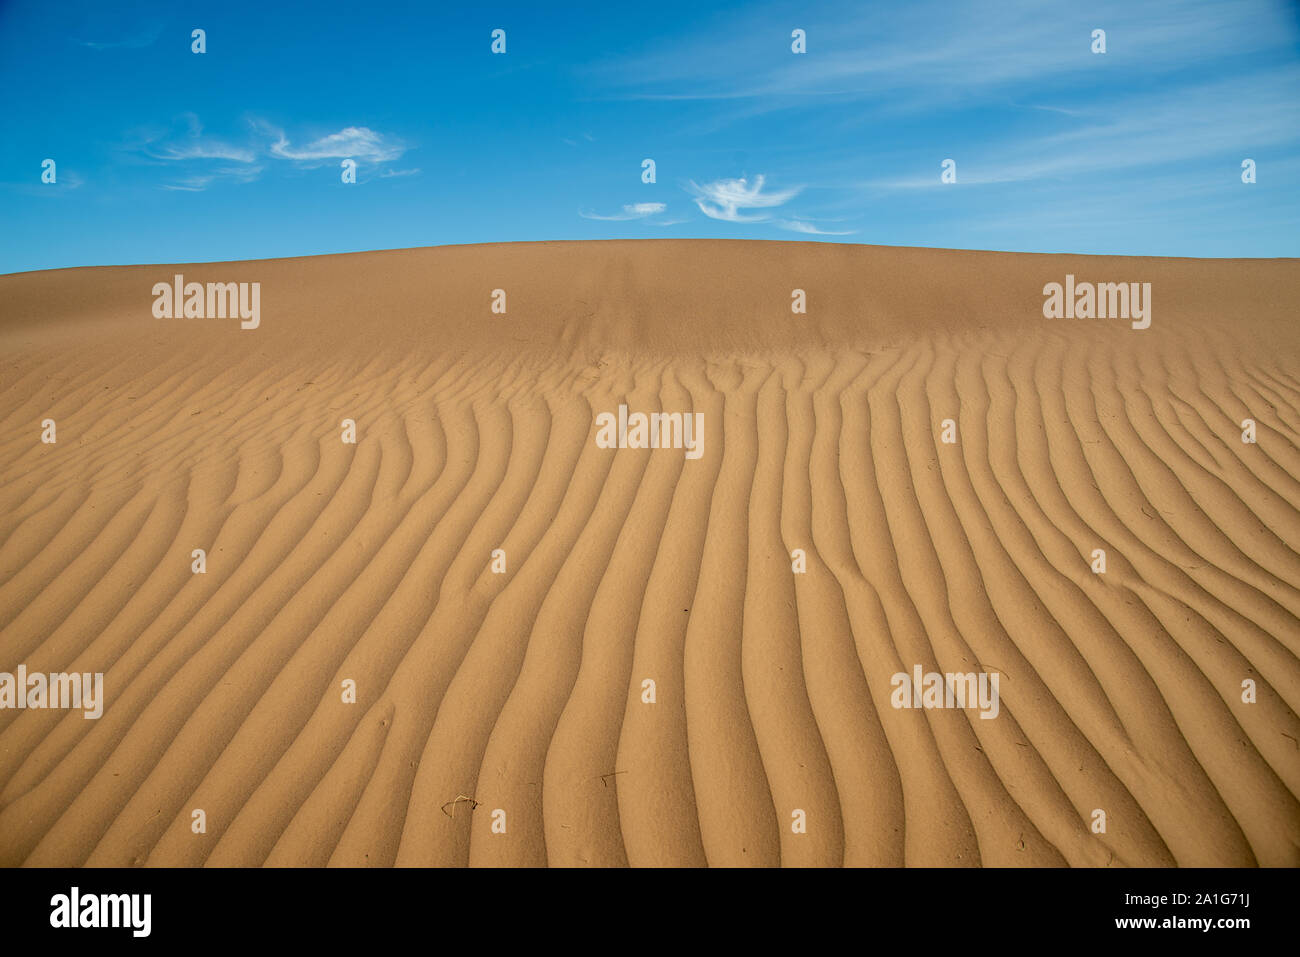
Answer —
522 691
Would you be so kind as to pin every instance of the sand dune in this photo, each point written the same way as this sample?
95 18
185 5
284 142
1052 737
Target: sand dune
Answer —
522 691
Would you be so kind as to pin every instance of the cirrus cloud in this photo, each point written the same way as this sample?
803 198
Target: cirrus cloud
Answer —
725 199
630 211
353 142
205 160
803 226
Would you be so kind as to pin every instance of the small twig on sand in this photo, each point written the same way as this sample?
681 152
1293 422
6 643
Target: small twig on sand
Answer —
459 798
605 783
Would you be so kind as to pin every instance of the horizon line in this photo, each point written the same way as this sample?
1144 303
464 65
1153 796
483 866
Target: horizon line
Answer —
643 241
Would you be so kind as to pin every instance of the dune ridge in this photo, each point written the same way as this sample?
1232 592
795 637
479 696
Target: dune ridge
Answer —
521 691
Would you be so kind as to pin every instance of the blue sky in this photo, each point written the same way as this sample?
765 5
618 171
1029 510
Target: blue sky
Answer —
164 155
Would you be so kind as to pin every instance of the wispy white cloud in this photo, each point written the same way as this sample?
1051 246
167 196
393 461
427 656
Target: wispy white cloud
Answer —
1134 132
141 38
67 180
968 51
725 199
352 142
193 145
198 182
203 149
803 226
207 160
631 211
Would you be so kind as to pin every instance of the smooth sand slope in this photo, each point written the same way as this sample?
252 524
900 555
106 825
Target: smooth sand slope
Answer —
522 691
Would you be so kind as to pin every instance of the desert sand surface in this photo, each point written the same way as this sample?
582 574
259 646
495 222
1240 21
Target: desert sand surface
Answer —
521 691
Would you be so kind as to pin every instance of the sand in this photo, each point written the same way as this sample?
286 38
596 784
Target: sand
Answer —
515 697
